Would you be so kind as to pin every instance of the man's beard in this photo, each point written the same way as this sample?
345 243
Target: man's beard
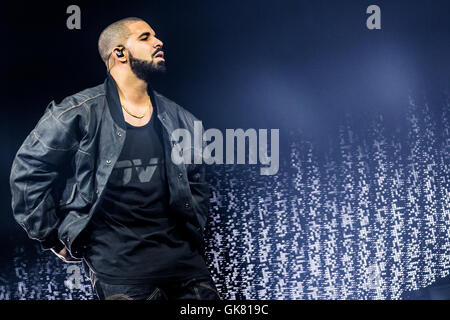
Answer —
146 70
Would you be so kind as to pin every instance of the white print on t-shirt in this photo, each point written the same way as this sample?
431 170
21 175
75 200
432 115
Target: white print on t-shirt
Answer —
144 173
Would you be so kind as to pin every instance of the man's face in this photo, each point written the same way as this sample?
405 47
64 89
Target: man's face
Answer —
145 51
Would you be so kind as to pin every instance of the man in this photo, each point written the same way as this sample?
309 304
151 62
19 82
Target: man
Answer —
94 180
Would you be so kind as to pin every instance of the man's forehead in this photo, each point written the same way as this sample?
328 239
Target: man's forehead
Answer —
139 27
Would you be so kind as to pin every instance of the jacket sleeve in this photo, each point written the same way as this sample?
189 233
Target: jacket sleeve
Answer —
44 154
200 192
199 186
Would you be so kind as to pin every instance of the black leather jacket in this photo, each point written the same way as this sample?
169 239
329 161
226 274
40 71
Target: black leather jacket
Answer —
59 173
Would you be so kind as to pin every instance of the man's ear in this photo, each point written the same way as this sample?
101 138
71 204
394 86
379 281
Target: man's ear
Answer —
120 53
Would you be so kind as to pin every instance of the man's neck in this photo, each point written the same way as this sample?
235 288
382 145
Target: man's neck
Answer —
131 88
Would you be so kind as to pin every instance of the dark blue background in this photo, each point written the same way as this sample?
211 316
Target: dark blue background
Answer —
292 65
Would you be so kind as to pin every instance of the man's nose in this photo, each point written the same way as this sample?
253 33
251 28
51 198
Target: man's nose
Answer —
158 43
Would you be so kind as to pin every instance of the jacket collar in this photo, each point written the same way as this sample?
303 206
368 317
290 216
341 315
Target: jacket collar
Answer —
115 108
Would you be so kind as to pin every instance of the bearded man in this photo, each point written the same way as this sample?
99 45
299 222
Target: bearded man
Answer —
94 181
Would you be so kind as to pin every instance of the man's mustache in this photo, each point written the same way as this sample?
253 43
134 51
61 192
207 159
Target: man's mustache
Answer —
156 52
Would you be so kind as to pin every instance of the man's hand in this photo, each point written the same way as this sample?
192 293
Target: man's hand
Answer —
65 256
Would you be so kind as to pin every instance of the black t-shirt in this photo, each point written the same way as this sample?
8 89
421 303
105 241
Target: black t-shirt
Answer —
134 238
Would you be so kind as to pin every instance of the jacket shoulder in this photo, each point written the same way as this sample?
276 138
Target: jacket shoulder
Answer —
176 110
78 102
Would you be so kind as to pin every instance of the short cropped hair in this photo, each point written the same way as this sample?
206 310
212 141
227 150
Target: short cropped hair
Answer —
114 35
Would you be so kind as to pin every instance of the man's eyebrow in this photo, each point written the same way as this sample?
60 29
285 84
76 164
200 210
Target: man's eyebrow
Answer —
144 34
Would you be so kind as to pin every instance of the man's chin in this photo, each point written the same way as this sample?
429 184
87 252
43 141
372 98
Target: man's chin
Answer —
146 70
160 67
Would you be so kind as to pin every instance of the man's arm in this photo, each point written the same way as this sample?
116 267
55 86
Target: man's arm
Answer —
46 151
200 192
197 182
